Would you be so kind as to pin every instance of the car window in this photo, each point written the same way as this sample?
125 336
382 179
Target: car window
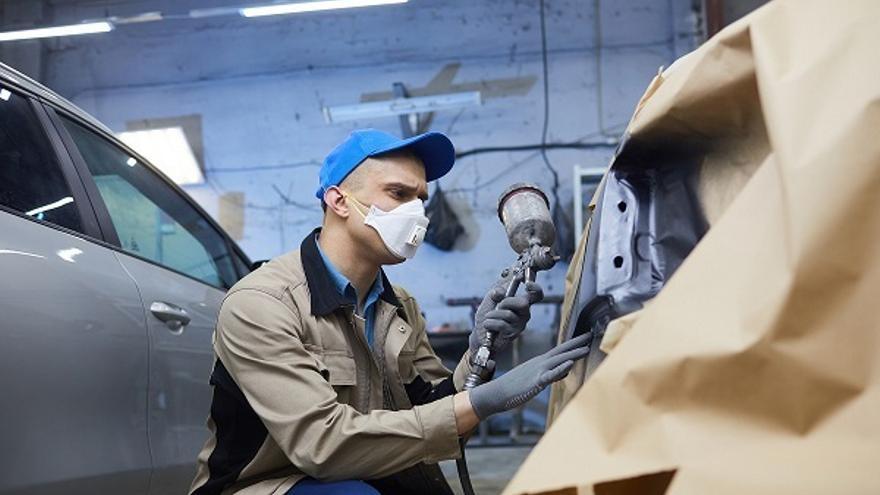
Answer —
242 266
31 180
152 219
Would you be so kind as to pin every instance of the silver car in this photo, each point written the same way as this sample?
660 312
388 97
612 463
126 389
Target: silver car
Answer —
111 278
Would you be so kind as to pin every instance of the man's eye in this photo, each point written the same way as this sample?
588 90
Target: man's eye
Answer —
397 194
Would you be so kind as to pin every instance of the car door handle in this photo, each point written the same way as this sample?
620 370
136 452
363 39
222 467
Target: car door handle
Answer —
173 316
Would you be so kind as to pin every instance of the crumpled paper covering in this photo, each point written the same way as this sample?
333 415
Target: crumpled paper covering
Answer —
756 370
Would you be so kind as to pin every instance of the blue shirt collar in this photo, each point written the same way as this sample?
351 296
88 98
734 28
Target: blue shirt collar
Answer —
343 285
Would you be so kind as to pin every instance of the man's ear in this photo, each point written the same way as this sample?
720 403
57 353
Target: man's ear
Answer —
335 200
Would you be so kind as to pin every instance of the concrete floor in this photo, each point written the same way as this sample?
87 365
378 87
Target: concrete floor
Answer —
491 468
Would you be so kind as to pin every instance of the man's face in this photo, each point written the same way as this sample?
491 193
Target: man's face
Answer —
386 182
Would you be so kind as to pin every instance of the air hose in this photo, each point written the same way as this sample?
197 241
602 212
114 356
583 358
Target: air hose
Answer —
464 477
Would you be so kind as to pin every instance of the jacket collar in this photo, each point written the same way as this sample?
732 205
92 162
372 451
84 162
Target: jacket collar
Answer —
325 297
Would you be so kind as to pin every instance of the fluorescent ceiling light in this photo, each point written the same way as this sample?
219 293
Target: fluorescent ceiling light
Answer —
51 32
402 106
168 150
135 19
299 7
213 12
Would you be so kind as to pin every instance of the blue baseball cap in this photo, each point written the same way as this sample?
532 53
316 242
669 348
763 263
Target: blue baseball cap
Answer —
434 149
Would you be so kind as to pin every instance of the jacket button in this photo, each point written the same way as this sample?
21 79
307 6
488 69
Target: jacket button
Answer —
402 329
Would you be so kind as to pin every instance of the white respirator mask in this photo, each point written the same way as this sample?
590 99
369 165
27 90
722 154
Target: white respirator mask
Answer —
401 229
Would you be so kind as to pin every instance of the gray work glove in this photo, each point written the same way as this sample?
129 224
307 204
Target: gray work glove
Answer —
507 316
519 385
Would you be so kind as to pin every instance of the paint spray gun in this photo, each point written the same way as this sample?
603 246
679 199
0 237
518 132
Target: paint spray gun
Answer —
525 213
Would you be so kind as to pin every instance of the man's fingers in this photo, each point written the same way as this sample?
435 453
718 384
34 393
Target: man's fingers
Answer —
556 373
500 327
517 304
487 373
504 315
496 294
534 292
571 355
489 302
579 341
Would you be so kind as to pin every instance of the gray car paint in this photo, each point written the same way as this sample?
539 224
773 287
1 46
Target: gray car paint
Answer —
73 366
180 364
92 401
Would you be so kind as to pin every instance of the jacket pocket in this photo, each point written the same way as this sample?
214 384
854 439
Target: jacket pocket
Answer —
406 367
341 370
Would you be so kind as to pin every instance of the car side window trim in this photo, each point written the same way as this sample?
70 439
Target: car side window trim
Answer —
102 215
236 252
55 115
89 220
86 226
104 219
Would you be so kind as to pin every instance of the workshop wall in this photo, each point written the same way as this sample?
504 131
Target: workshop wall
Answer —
259 86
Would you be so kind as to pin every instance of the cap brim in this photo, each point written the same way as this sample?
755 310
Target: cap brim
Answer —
434 149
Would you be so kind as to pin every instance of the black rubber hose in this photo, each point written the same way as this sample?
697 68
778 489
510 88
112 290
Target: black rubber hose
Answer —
464 477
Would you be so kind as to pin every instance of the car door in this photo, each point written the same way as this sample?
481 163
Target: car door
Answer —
182 265
73 342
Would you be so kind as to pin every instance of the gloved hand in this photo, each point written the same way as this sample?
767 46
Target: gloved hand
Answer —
519 385
507 316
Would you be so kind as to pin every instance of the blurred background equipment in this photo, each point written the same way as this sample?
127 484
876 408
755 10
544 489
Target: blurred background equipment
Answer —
445 228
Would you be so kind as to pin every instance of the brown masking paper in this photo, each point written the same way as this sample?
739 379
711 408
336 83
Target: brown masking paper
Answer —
756 370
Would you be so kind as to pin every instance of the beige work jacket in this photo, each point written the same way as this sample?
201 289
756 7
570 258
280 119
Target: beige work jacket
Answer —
298 391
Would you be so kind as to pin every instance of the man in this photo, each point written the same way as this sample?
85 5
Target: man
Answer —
324 380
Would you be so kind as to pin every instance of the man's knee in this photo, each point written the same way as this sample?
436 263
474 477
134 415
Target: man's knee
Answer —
311 486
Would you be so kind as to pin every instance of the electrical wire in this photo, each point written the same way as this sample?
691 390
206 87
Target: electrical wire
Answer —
282 166
494 178
461 463
546 126
287 201
581 143
536 147
560 216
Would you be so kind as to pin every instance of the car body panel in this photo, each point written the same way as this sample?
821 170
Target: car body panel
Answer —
180 362
73 366
646 221
104 398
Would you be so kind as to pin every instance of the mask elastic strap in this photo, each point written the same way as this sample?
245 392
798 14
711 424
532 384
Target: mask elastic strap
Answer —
349 196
